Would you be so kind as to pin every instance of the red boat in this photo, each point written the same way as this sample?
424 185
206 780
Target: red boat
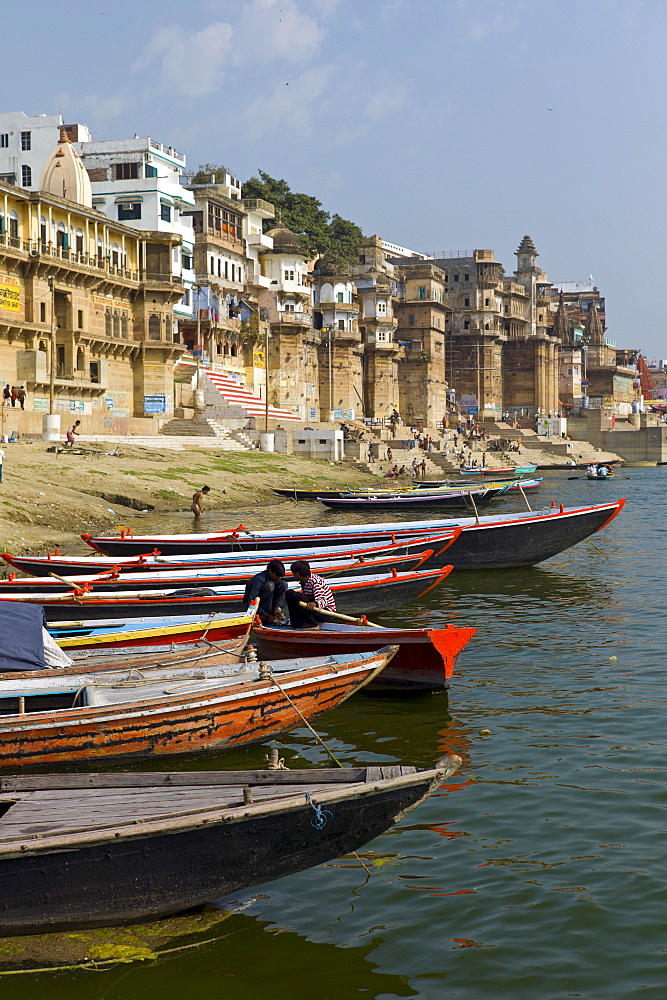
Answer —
424 662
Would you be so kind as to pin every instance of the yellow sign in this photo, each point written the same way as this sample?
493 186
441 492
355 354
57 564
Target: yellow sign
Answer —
10 293
258 359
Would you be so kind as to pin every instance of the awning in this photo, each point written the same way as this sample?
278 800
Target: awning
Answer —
128 199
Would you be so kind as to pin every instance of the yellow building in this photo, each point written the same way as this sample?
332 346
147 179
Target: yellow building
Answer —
86 323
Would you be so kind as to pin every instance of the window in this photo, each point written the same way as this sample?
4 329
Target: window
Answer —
422 292
219 268
13 228
466 325
382 308
115 259
466 302
234 350
127 171
25 141
42 312
456 277
212 265
154 327
233 272
26 176
339 296
226 269
446 278
4 140
289 307
108 323
411 321
382 337
486 302
79 319
466 277
79 241
341 324
224 223
165 212
129 210
150 171
289 276
187 261
123 326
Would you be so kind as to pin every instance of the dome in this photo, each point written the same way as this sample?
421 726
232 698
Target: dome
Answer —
65 175
329 266
284 240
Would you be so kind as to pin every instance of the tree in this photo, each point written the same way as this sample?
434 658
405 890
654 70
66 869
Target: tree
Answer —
204 172
304 215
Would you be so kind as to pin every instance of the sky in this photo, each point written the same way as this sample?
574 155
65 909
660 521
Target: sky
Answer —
440 125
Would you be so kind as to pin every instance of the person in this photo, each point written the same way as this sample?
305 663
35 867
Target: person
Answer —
603 471
315 593
270 587
415 467
196 505
389 454
15 395
572 462
6 395
21 397
591 470
392 472
402 471
370 452
423 468
72 433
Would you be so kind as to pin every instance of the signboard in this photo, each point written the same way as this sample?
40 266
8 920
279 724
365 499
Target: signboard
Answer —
80 406
472 409
157 403
258 358
197 352
585 382
109 403
312 413
10 293
40 405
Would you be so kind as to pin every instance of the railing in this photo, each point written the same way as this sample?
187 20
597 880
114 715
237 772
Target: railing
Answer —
259 205
38 248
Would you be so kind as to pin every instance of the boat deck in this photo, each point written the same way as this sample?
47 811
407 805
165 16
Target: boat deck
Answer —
37 811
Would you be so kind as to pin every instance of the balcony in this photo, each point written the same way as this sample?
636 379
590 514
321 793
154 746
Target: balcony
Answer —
39 250
294 319
259 240
260 207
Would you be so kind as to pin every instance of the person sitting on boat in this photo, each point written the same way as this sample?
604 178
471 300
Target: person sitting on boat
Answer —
315 593
603 471
592 469
270 587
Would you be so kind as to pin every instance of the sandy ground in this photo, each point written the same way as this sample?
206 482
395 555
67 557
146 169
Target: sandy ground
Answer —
47 499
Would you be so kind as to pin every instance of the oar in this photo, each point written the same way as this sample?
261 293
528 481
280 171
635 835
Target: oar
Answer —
341 618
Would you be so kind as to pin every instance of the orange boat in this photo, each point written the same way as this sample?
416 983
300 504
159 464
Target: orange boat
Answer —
168 703
424 662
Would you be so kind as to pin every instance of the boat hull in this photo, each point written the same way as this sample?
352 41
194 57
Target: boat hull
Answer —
126 878
184 723
152 632
496 542
424 661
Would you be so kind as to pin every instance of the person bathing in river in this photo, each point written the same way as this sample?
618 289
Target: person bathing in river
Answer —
196 505
315 593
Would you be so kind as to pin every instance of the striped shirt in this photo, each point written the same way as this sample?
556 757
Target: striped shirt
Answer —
317 590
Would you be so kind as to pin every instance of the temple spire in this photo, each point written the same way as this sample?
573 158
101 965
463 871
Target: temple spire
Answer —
593 329
561 327
65 175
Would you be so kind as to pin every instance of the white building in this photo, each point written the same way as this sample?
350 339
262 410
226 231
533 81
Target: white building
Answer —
26 143
138 182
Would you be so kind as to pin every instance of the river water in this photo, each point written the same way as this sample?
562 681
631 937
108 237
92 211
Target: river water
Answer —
540 871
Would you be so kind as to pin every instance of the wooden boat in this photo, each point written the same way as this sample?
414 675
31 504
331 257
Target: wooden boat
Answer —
590 475
505 470
232 629
308 495
495 541
424 661
380 592
416 499
167 703
98 563
513 485
96 849
220 576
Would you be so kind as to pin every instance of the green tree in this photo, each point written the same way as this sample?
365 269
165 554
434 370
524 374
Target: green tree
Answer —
304 215
204 172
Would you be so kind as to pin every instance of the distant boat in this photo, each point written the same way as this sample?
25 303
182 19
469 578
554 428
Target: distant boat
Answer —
415 499
89 850
505 470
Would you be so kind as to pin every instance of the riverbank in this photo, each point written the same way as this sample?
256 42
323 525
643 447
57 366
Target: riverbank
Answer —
48 500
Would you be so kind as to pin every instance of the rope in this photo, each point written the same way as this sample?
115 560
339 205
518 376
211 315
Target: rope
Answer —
304 719
319 820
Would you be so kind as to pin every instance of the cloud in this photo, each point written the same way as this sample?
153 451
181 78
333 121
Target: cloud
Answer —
276 29
190 65
288 111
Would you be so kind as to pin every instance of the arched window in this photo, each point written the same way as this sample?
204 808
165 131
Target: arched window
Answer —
225 350
43 233
100 252
123 326
234 350
115 256
108 323
116 324
80 359
79 241
154 327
